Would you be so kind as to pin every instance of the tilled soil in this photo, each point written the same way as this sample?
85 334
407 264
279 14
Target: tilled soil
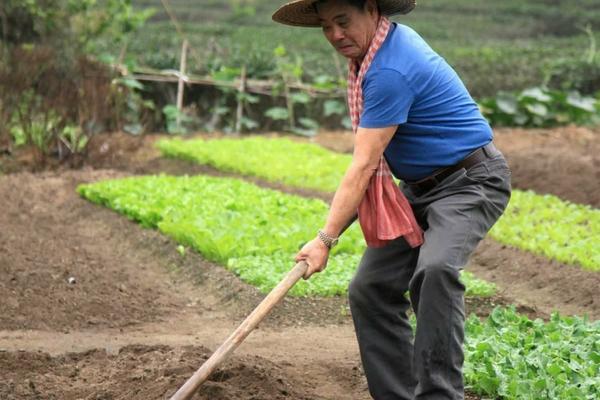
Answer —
62 263
141 372
533 283
51 237
96 307
131 287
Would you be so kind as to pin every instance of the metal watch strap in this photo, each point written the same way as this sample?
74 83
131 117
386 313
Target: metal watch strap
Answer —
327 240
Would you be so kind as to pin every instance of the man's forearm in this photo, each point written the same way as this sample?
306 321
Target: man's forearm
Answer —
349 223
347 198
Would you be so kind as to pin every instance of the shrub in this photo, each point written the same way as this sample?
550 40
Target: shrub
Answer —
53 95
540 107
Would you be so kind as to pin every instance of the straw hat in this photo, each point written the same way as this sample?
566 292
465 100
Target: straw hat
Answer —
303 12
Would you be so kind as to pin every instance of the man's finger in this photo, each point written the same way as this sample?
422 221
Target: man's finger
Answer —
308 272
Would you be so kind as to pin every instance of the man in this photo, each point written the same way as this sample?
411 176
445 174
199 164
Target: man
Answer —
411 108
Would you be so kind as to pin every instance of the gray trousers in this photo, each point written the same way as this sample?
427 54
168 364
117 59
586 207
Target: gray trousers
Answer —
455 215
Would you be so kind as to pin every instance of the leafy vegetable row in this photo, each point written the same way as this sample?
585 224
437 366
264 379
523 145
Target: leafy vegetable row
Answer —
511 357
253 231
544 225
265 272
540 106
551 227
301 165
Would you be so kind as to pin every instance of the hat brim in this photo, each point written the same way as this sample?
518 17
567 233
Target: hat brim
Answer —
303 12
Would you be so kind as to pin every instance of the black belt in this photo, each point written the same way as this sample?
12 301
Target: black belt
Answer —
476 157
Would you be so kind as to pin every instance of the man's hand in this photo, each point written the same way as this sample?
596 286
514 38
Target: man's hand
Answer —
315 253
369 145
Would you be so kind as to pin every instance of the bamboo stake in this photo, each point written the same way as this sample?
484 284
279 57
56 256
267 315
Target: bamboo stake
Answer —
181 81
290 104
240 105
122 54
338 66
260 312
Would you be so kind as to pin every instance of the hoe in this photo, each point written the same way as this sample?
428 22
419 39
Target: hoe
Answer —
235 339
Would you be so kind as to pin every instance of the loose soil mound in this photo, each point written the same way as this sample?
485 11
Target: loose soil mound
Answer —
536 282
564 162
140 372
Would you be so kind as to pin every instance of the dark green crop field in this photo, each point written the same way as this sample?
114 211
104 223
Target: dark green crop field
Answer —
494 45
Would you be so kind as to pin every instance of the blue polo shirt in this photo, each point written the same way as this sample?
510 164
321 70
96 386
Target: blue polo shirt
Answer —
410 85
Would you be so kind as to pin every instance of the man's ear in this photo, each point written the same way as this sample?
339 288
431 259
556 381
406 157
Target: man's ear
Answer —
371 7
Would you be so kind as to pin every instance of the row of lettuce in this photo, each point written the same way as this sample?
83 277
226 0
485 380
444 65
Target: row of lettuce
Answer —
255 232
509 356
542 224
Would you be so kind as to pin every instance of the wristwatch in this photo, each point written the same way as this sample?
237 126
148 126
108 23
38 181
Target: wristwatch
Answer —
329 241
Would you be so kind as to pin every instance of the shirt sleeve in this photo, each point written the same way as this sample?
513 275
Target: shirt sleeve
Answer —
387 99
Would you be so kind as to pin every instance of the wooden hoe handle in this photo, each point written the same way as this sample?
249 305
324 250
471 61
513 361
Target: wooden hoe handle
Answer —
260 312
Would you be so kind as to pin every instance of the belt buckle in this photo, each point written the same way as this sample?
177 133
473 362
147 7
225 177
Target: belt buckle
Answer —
428 184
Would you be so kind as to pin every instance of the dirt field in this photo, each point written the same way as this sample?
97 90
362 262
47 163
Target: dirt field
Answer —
137 318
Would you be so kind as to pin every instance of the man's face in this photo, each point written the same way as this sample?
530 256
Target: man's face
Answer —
348 29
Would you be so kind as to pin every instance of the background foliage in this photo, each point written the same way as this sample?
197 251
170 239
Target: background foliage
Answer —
507 46
486 41
54 91
528 63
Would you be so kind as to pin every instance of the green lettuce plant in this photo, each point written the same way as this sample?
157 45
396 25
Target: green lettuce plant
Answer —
511 357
